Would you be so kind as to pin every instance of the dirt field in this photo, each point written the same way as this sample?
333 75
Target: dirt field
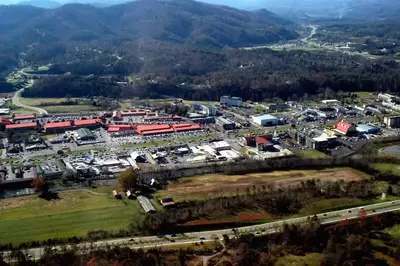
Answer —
208 185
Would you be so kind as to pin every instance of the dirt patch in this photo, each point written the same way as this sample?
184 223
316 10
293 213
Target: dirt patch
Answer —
17 202
245 216
208 185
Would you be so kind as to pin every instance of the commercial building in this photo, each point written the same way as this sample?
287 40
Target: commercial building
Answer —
84 134
346 128
88 123
392 121
185 127
386 97
278 107
206 110
225 123
51 169
23 117
231 101
265 120
22 127
57 127
364 128
203 120
331 101
262 143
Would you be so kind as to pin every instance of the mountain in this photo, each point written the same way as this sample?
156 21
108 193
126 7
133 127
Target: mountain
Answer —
40 3
180 21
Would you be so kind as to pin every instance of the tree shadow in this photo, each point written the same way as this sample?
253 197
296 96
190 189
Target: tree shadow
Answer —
49 196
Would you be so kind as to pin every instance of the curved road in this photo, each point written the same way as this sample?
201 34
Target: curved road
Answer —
217 235
15 101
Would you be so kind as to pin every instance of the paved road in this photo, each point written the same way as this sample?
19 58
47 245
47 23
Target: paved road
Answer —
260 229
16 102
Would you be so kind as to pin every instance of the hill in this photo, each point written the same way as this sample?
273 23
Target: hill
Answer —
40 3
49 35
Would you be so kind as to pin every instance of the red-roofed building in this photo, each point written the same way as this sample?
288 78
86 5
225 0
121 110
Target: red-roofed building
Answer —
5 121
181 125
143 128
262 143
346 128
188 127
22 127
159 131
24 117
118 128
56 127
87 123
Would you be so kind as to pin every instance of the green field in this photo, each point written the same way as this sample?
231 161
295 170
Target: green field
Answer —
394 231
74 214
55 107
387 168
310 154
71 108
40 69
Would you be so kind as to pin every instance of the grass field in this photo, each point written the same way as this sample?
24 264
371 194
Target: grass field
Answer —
311 259
387 168
55 107
74 214
40 69
201 187
394 231
71 108
310 154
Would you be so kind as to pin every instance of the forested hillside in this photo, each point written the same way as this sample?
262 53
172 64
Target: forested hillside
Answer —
70 34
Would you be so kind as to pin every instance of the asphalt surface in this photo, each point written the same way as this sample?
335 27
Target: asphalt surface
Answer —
15 101
217 235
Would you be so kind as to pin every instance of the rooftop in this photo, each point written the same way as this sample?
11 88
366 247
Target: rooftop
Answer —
23 117
266 116
86 122
57 125
23 125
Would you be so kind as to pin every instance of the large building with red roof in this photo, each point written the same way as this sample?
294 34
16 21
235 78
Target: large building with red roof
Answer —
87 123
24 117
31 126
57 127
346 128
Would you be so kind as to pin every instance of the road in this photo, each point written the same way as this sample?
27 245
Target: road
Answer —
16 101
206 236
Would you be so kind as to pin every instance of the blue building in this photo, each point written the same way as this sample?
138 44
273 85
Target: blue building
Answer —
368 129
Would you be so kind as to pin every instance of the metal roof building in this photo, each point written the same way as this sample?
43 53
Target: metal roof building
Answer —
365 128
85 134
266 120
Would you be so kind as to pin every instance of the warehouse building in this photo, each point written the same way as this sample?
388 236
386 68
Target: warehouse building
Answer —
87 123
392 121
84 134
24 117
231 101
265 120
225 123
346 128
32 126
368 129
57 127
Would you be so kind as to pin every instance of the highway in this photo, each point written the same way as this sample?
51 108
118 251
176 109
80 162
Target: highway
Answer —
217 235
15 101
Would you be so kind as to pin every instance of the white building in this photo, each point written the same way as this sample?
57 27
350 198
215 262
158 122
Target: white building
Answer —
386 97
231 101
392 121
265 120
